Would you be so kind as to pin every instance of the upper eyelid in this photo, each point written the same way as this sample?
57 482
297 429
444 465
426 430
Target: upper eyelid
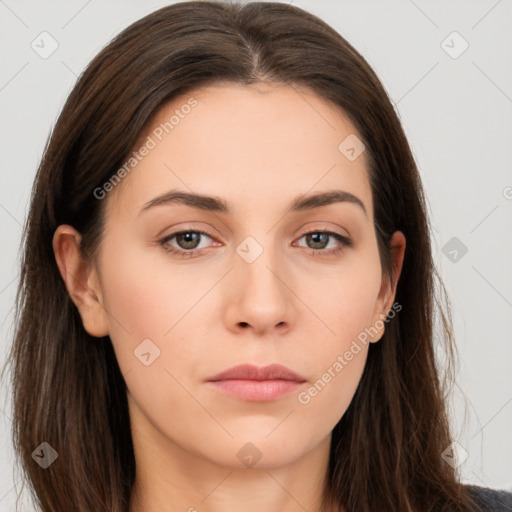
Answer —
190 228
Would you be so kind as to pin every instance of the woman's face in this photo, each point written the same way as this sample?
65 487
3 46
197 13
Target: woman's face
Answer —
256 289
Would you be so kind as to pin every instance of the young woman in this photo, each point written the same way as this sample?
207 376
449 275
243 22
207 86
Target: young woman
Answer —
227 296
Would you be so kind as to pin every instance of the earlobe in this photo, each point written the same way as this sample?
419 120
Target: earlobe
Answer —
388 288
81 280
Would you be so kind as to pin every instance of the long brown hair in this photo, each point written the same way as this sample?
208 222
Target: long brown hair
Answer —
68 390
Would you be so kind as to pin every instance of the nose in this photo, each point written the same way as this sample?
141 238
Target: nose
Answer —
261 299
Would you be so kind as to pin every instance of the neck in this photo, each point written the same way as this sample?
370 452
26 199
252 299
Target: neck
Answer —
171 478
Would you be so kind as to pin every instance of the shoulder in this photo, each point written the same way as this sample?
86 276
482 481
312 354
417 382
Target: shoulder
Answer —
491 500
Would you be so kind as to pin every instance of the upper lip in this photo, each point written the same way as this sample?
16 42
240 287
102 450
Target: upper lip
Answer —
252 372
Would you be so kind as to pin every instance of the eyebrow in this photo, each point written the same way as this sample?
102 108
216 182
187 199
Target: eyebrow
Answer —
216 204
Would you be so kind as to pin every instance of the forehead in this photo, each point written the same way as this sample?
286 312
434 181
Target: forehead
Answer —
248 144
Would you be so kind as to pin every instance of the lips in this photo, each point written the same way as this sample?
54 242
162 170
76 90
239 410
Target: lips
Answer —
251 372
257 384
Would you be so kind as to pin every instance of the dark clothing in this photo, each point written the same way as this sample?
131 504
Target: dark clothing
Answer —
491 500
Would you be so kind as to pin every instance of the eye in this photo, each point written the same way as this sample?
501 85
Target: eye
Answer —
188 242
318 242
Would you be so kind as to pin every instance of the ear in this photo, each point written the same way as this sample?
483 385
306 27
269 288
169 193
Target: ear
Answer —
388 291
81 280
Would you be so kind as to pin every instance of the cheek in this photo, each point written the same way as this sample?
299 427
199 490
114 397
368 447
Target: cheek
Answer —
345 303
342 299
154 309
146 297
327 397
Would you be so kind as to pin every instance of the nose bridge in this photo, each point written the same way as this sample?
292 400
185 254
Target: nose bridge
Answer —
262 298
257 264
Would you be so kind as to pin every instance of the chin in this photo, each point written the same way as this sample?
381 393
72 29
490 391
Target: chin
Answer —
263 451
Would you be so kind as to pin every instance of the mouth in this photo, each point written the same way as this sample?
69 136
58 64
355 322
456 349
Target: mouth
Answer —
257 384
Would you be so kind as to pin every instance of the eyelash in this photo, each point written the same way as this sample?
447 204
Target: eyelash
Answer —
344 241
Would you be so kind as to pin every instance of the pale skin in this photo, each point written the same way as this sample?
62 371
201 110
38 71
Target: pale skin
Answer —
297 304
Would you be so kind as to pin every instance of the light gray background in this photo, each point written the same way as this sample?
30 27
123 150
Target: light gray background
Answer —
457 116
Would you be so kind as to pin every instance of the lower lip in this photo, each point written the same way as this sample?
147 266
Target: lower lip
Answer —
256 390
